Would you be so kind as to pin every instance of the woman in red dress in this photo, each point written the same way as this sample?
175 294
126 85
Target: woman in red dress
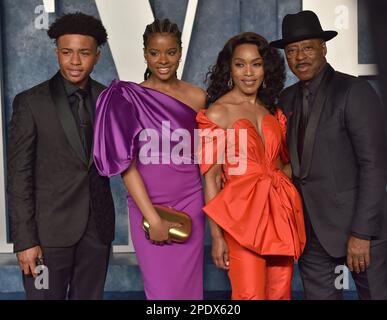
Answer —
255 212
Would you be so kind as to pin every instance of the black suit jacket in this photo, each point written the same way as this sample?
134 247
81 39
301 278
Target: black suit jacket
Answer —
53 189
343 172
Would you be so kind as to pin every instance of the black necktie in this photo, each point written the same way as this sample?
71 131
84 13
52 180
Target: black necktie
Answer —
303 120
85 123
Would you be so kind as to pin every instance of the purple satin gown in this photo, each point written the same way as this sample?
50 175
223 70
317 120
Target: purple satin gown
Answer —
123 110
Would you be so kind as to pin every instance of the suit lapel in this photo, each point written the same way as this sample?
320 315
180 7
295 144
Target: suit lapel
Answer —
310 133
292 133
95 89
66 118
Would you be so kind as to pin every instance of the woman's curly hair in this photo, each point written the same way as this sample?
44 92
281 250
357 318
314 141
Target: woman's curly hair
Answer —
273 64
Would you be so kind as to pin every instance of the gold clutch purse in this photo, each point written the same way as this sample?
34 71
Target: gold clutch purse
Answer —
180 234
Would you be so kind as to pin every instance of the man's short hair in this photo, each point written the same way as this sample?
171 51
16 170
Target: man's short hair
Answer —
78 23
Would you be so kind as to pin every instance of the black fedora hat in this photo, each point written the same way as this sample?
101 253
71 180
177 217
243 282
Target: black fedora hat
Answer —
301 26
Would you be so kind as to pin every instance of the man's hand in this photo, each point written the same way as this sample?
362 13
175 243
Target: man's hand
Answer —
27 259
358 254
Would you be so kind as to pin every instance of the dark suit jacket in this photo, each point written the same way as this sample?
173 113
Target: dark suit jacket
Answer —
343 171
52 188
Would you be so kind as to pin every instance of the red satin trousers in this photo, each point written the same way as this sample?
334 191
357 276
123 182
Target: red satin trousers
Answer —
256 277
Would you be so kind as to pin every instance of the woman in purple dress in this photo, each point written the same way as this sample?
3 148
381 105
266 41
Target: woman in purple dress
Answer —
145 132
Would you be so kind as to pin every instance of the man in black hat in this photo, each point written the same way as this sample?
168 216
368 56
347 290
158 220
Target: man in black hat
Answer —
61 210
339 161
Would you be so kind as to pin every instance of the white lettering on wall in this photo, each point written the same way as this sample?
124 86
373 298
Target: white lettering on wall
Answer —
49 6
342 17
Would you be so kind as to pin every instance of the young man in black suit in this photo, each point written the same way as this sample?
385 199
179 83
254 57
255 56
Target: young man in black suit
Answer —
339 160
61 210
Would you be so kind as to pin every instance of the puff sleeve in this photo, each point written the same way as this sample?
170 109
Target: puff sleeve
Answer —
211 147
115 131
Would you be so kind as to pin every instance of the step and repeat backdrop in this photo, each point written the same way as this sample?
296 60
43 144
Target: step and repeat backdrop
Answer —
27 54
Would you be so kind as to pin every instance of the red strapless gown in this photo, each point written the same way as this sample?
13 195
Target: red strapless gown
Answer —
261 209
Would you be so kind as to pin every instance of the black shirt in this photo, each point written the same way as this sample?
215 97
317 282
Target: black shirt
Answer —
312 87
70 90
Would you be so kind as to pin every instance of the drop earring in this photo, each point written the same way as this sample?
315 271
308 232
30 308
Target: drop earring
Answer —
230 83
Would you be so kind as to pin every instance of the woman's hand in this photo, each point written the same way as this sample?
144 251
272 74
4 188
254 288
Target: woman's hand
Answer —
219 252
159 231
287 169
